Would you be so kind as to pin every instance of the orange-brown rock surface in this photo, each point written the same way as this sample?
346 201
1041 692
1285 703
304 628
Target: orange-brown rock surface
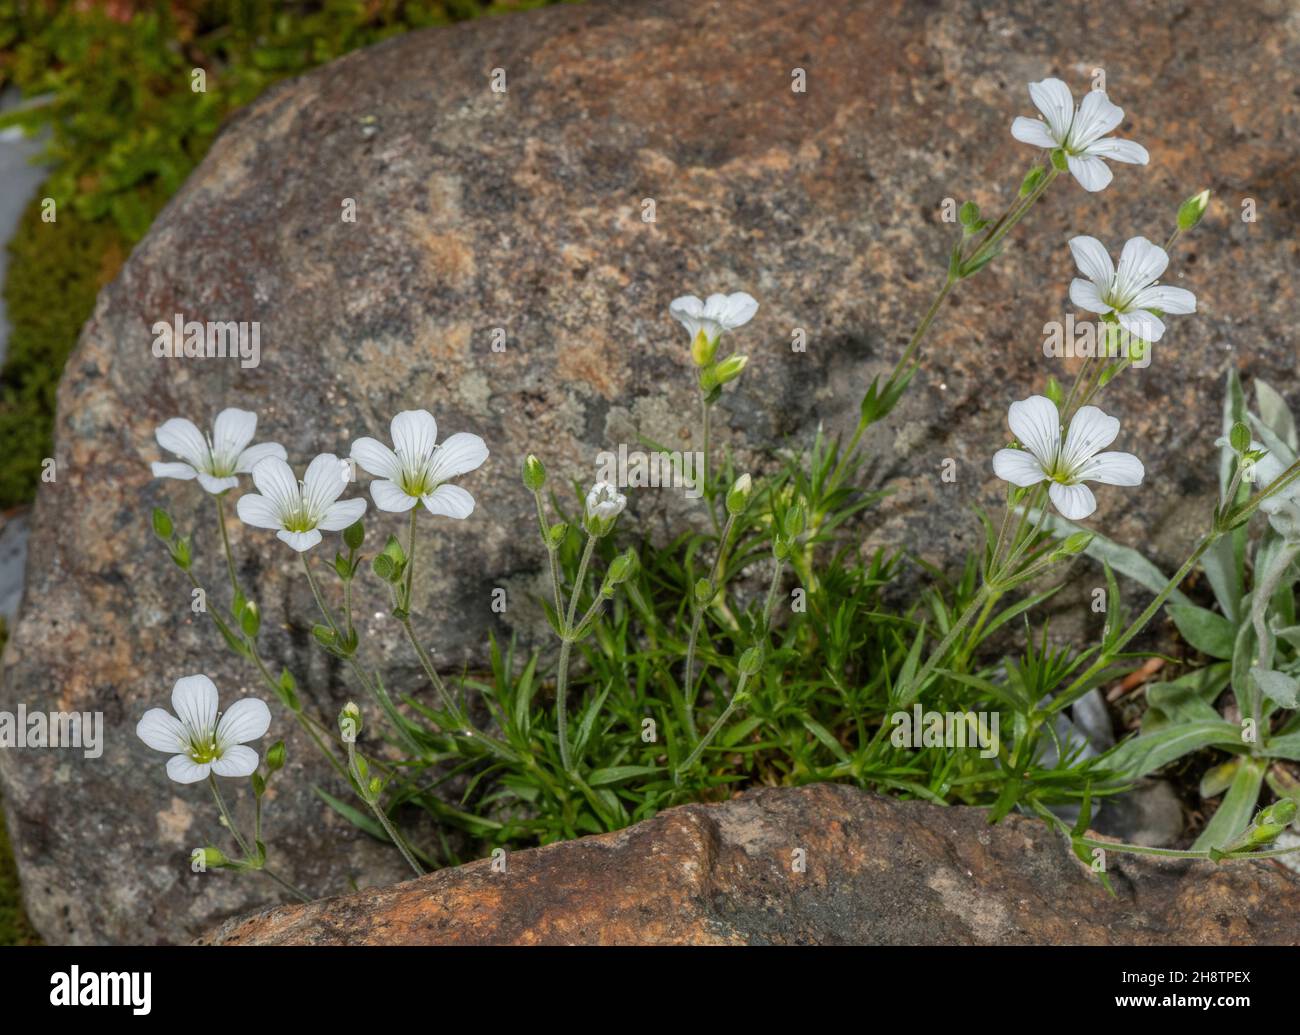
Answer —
874 871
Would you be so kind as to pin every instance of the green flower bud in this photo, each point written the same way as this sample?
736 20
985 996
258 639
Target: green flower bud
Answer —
376 787
250 620
709 379
286 690
557 532
794 521
969 214
729 369
350 721
162 524
275 756
703 350
751 661
738 496
259 784
1191 210
1031 181
621 568
1073 544
213 857
703 591
354 535
534 473
182 553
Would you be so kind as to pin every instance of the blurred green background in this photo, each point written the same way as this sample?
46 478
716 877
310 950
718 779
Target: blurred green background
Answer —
109 84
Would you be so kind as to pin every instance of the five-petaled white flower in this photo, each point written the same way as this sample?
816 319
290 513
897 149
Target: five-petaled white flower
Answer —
416 469
605 502
1036 423
719 314
1131 291
214 461
1079 133
197 742
300 511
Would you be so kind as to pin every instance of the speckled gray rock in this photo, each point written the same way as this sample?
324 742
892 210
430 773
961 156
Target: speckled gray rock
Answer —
818 865
522 211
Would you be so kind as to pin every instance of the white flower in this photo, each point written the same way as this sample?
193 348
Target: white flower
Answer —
1078 133
1283 507
214 461
300 511
1131 291
719 314
197 742
417 468
605 502
1036 423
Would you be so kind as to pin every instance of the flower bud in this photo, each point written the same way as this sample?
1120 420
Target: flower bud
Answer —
275 756
534 473
794 521
703 350
729 369
1191 210
738 496
703 591
621 568
751 661
604 504
162 524
350 721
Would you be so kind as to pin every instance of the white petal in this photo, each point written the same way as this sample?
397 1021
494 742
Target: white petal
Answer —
1075 502
326 478
1117 150
172 470
236 761
415 433
1052 97
389 497
340 515
1173 300
300 541
1091 431
258 511
375 458
251 456
1092 173
1113 469
275 480
1085 295
450 501
1096 117
245 720
183 769
685 307
194 700
1032 131
1017 467
233 430
1140 264
1036 423
1141 324
460 454
735 310
181 437
1093 260
216 485
162 731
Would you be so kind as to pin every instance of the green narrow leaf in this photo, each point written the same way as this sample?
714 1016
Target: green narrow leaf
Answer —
1147 752
1208 632
1236 810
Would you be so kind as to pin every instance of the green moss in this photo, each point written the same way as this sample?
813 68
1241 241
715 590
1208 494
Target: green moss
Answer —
56 270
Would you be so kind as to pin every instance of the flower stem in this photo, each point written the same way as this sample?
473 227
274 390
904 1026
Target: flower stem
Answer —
225 543
380 815
566 645
697 619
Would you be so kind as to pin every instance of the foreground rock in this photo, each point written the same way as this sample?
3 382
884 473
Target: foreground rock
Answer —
878 872
523 211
